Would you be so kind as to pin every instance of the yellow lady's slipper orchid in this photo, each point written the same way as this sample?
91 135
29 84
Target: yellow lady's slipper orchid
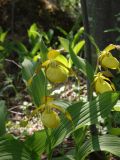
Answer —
56 67
103 84
56 73
50 119
108 61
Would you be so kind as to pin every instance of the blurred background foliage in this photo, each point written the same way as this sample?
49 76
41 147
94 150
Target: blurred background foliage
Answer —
18 15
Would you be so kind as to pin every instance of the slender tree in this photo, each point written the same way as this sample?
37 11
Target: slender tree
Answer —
101 15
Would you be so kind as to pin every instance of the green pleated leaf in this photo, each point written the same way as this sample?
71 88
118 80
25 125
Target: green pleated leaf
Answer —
62 103
62 31
37 87
114 131
28 69
92 40
84 114
90 112
82 64
43 51
79 46
3 114
33 33
12 149
117 107
1 48
80 135
107 143
65 43
76 37
21 49
50 35
36 143
3 36
36 47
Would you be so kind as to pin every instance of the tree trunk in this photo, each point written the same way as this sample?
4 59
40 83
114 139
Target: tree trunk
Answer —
101 17
99 13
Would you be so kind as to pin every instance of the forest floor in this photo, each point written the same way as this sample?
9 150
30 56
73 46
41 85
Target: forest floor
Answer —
20 106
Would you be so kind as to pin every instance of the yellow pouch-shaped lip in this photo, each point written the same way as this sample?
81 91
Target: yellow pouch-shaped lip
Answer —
50 119
57 74
103 84
109 61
